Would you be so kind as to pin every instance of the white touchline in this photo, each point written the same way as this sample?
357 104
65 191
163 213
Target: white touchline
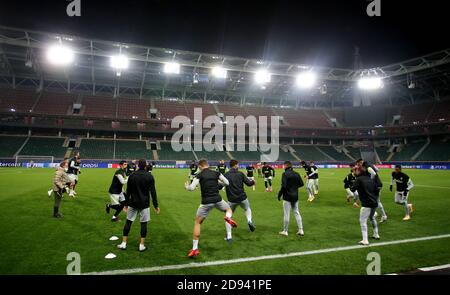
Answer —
259 258
432 186
435 267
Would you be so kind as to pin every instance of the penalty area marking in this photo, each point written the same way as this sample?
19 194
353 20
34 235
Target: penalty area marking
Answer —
259 258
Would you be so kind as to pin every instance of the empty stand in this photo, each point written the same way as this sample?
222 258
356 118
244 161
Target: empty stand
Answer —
437 150
304 118
54 104
9 145
332 152
416 113
169 109
309 153
408 151
207 109
132 149
232 110
97 148
100 107
44 146
440 112
167 153
21 101
129 108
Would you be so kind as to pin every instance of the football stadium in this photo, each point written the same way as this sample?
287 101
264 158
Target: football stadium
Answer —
79 115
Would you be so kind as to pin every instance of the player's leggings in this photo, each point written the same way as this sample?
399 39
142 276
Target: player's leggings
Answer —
268 183
127 228
287 207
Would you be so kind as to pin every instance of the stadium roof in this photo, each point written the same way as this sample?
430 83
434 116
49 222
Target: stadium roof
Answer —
23 62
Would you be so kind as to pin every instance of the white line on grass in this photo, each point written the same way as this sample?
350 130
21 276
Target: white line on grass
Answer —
432 186
259 258
432 268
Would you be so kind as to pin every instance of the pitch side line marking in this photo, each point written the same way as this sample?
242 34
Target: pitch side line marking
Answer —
259 258
432 268
433 186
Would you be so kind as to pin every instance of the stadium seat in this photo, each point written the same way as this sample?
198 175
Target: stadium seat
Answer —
332 152
45 146
21 101
99 107
437 150
131 150
133 108
408 151
167 153
54 103
97 148
309 153
9 145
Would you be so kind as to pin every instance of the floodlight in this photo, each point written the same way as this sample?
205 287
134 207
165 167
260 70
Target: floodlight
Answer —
370 83
306 80
60 55
172 68
262 77
219 72
119 62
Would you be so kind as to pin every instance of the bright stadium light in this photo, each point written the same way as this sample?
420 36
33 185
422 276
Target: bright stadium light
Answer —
60 55
306 80
370 83
262 77
219 72
119 62
172 68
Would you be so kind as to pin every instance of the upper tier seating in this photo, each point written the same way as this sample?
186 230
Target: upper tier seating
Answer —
9 145
232 110
19 100
54 104
441 111
132 150
207 109
44 146
97 148
169 109
130 108
304 118
101 107
245 155
411 114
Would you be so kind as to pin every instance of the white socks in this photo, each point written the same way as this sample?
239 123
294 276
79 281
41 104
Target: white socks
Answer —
229 214
228 227
141 247
194 244
248 214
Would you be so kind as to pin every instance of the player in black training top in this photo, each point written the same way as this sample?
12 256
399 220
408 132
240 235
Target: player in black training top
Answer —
209 186
193 168
404 185
315 177
73 171
268 172
309 176
222 167
131 167
349 180
251 174
116 192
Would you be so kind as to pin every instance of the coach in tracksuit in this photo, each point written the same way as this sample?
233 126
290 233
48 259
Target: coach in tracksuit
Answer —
291 181
236 194
140 186
368 189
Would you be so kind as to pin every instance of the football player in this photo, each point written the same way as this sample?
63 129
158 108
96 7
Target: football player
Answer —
404 185
348 183
193 168
251 174
315 177
73 171
309 176
116 193
268 173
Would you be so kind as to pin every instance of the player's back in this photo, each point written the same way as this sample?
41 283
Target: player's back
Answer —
209 186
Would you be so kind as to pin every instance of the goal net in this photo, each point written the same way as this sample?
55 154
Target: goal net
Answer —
29 161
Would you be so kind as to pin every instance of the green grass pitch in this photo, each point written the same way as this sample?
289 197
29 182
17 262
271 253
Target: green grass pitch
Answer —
32 242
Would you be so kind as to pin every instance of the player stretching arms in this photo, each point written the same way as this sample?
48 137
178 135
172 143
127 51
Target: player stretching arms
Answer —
309 180
373 171
368 190
268 173
72 173
404 185
315 177
290 183
116 191
236 195
193 168
209 185
250 174
348 182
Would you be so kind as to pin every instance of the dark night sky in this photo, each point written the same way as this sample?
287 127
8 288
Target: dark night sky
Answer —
314 32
